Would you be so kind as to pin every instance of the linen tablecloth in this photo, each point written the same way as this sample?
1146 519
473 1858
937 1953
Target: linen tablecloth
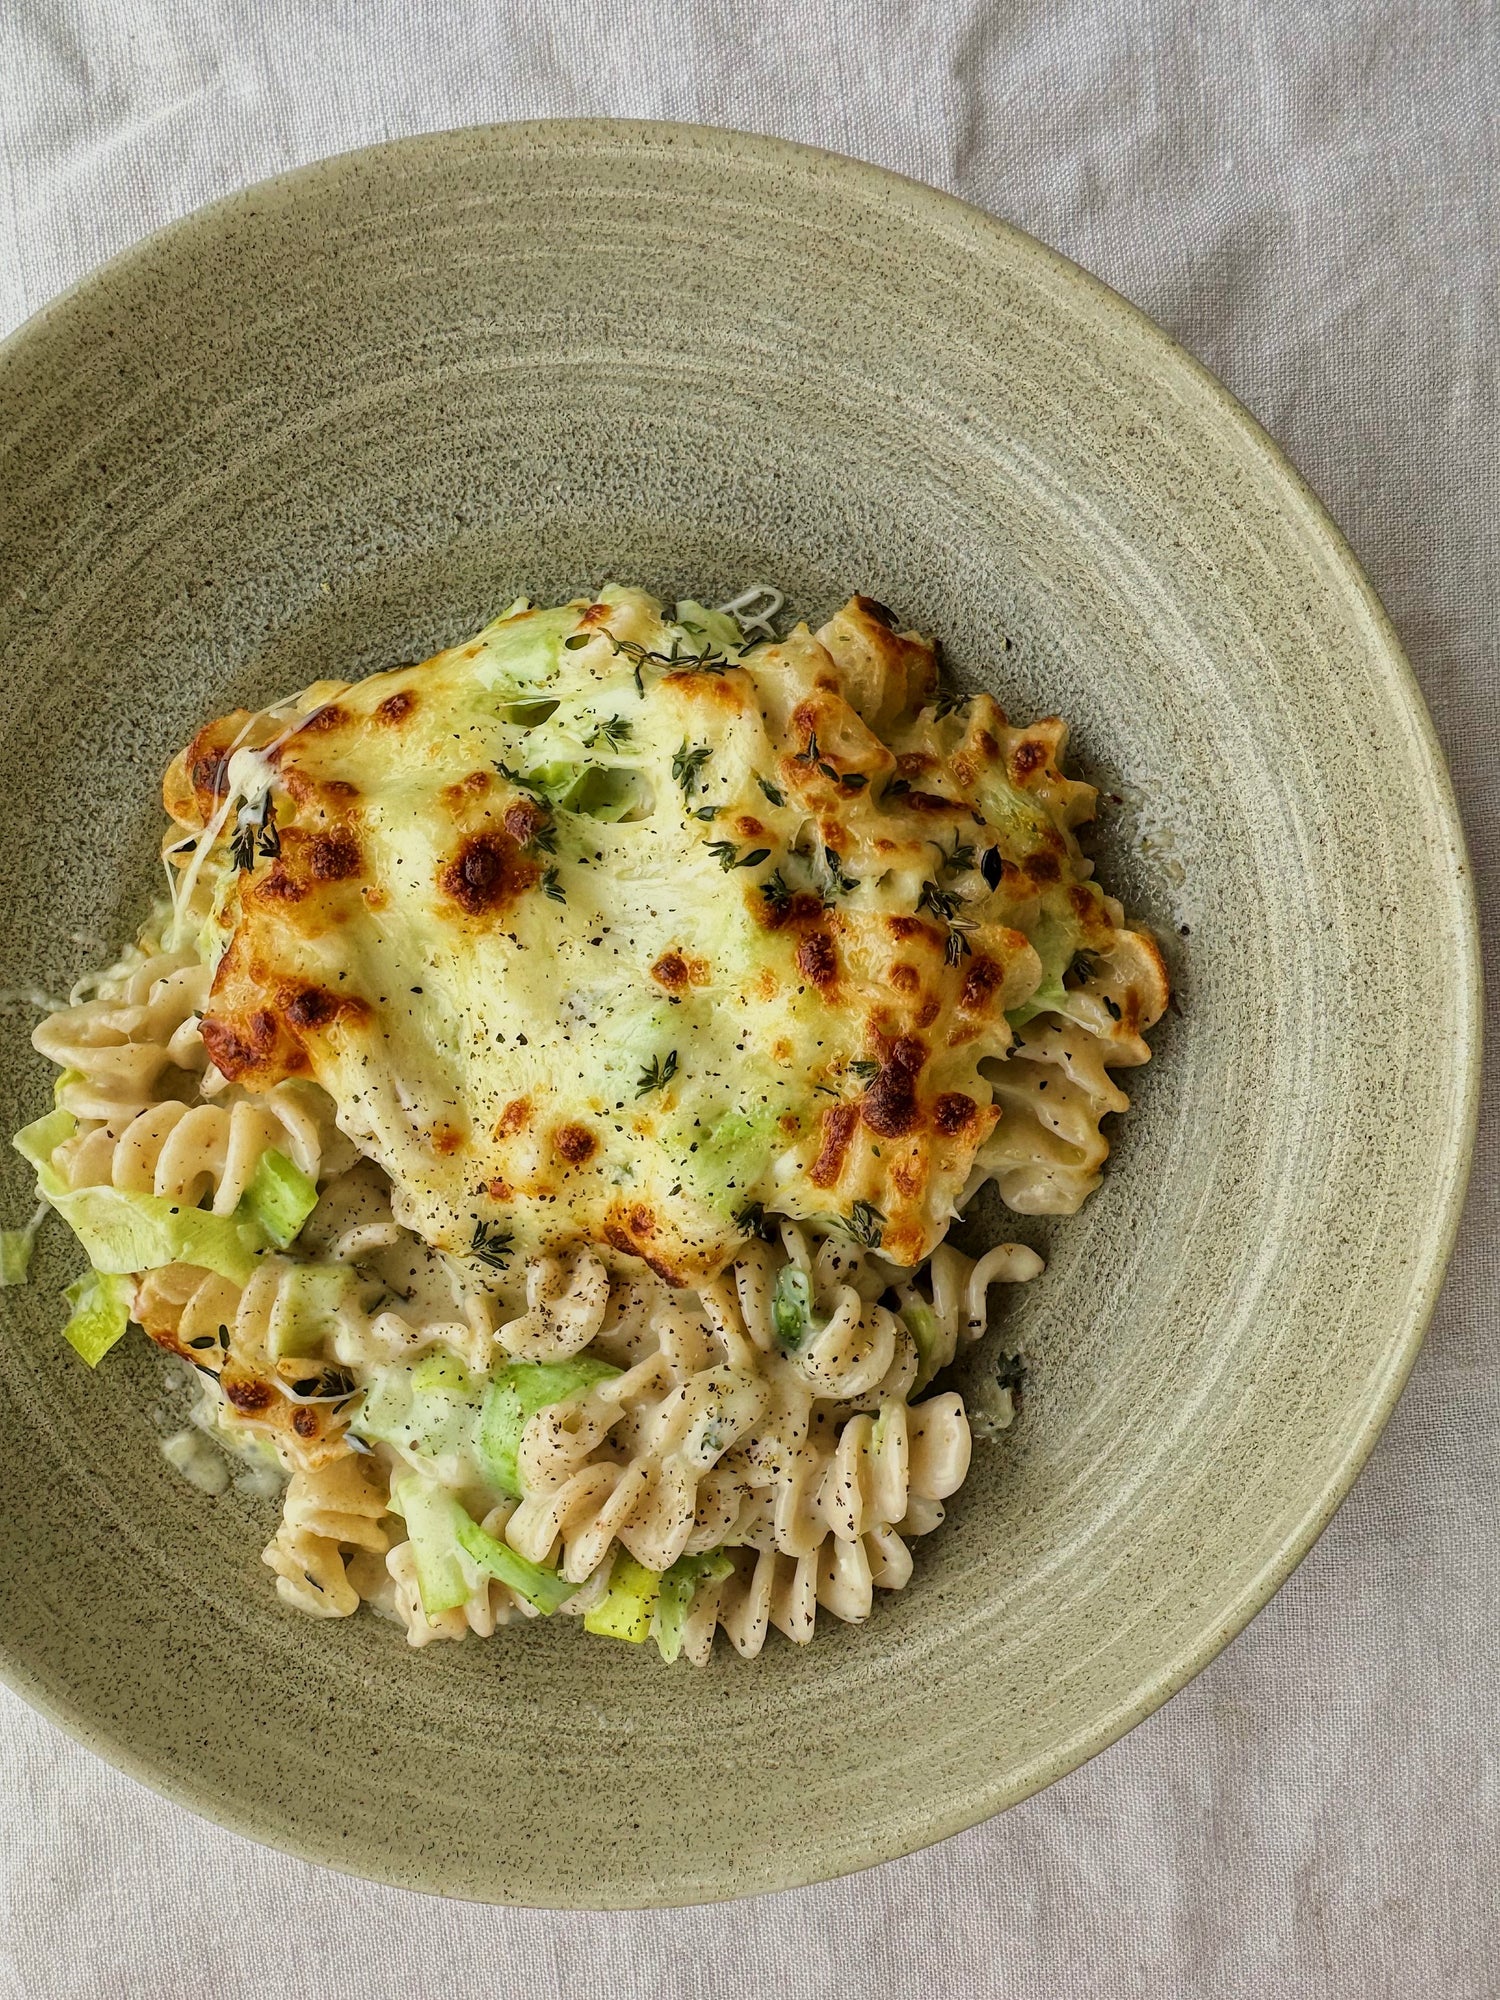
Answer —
1305 196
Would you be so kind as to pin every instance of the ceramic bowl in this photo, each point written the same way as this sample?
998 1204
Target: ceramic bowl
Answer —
336 421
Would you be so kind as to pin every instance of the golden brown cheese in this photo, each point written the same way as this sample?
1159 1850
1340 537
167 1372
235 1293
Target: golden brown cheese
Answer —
607 926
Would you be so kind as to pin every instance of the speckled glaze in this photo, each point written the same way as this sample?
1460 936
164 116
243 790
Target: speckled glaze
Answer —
336 421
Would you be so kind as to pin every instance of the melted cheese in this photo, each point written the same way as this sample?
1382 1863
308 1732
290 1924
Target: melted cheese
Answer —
607 928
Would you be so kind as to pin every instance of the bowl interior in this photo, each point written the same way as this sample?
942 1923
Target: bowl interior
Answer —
337 422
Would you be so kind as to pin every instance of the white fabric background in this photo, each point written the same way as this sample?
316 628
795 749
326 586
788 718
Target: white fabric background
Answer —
1305 195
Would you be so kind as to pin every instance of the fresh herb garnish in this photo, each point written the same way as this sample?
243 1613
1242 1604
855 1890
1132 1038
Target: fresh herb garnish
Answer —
896 789
864 1223
836 881
578 640
1111 1006
948 704
687 765
552 886
958 860
677 661
523 782
863 1067
854 781
657 1074
270 838
776 798
615 730
242 847
1081 968
492 1245
751 1221
728 855
775 891
992 866
943 903
706 813
958 945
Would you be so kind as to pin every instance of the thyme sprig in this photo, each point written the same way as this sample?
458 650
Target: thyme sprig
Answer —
864 1222
492 1245
657 1074
678 660
776 892
836 881
776 797
688 763
552 886
614 731
728 855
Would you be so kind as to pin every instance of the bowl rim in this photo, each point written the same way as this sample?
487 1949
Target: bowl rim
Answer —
1099 300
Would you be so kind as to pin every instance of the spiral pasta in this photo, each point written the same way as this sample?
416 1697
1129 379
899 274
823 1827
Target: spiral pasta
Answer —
326 1514
494 1191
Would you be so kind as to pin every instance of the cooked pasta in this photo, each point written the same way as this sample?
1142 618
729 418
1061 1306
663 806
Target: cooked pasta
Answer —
604 1283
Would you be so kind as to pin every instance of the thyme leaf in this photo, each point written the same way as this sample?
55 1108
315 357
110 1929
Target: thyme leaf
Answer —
687 765
492 1245
657 1074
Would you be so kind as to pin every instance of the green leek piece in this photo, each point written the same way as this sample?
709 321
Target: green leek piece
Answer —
714 628
921 1322
428 1407
791 1307
678 1588
136 1232
542 1587
39 1140
279 1199
306 1312
101 1313
514 1396
433 1518
15 1251
625 1611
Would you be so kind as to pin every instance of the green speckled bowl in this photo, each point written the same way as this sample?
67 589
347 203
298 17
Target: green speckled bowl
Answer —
337 420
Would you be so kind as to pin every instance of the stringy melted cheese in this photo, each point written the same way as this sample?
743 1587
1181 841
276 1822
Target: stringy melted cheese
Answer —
590 946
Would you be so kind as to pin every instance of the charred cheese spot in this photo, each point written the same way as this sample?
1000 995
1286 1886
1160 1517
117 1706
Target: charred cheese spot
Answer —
1043 867
313 1007
839 1121
329 717
889 1106
487 874
396 707
248 1395
305 1423
915 764
456 796
905 978
953 1113
748 827
448 1139
514 1118
932 803
1027 757
904 929
575 1144
524 819
670 971
794 914
499 1190
277 885
817 960
713 690
334 857
983 979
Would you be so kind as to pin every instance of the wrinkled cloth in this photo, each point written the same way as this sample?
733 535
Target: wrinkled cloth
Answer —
1304 195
